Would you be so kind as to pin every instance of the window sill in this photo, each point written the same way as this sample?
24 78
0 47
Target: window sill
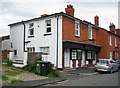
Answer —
77 36
90 39
27 41
47 34
30 36
116 46
110 45
15 55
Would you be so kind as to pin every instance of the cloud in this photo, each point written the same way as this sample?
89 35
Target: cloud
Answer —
18 10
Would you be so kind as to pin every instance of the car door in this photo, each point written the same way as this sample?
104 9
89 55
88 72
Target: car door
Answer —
114 64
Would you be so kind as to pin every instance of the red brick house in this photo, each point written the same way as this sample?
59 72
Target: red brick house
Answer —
5 47
99 43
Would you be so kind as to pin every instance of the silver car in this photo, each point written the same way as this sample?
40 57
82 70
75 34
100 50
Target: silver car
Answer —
106 65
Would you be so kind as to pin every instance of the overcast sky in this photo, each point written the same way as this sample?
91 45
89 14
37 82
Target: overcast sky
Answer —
18 10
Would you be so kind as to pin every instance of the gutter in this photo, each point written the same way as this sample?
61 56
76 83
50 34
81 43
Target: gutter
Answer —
57 45
23 36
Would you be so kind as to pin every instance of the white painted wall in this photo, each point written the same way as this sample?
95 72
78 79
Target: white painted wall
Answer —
6 44
16 38
39 40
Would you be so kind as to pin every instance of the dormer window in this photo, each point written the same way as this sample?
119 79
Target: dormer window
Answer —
89 32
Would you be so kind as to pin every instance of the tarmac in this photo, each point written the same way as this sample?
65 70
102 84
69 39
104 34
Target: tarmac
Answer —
65 75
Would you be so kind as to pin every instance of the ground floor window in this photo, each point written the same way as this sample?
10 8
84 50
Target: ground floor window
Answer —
15 52
116 55
45 50
110 55
89 55
31 49
79 54
73 54
93 55
76 54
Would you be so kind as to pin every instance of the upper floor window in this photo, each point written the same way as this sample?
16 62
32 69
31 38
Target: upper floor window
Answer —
110 40
115 42
31 49
115 32
31 29
48 26
77 29
89 32
45 50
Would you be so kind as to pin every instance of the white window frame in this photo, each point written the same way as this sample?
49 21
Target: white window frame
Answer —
115 42
115 31
110 40
77 28
48 26
31 49
111 54
31 28
116 54
89 55
89 32
45 50
73 54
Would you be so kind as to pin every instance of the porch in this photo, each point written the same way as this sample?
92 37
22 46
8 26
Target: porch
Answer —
78 54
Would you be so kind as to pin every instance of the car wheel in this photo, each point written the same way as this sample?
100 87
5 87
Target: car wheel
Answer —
118 69
96 70
111 71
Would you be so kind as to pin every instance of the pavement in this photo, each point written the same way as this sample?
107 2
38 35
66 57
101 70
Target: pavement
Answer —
65 75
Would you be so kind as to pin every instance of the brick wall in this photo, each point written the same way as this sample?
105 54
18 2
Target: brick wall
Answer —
69 31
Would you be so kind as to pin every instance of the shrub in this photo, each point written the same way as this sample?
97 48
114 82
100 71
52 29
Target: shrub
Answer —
4 77
30 68
53 73
9 62
16 81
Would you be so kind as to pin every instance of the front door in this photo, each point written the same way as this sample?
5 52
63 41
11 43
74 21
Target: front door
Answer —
67 57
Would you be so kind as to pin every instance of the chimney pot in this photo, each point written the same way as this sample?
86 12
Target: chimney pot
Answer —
96 20
112 28
69 10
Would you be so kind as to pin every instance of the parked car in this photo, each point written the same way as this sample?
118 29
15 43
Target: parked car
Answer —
106 65
118 62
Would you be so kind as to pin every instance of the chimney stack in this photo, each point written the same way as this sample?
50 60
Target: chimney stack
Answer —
112 28
69 10
43 15
96 20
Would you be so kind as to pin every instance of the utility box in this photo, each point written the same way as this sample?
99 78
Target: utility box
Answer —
43 68
38 67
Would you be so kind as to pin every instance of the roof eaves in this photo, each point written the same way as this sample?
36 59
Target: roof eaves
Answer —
36 18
